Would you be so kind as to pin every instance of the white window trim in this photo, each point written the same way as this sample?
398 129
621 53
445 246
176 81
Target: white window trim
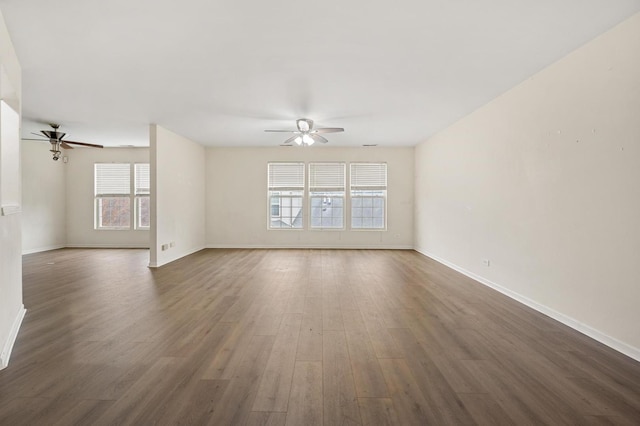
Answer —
347 203
379 188
98 196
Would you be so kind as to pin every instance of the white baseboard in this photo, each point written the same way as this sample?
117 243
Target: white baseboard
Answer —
11 340
41 249
108 246
309 246
186 253
585 329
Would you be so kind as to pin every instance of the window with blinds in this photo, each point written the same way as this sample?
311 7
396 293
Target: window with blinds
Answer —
112 196
286 195
142 191
116 192
368 190
327 195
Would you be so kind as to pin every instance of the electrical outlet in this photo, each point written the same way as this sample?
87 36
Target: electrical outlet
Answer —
486 262
172 244
165 247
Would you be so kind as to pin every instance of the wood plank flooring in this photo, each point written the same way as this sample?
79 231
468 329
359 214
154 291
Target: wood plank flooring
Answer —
296 337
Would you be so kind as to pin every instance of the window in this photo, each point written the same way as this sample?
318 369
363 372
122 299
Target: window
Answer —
142 192
115 196
368 195
326 195
112 196
285 192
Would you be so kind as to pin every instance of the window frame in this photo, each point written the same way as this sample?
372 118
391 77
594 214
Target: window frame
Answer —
380 185
331 186
139 194
101 194
134 195
286 189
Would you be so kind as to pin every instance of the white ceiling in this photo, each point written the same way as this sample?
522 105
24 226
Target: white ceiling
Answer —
391 73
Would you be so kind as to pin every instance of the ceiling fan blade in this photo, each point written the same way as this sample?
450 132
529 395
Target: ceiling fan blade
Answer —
65 145
283 131
85 144
328 130
318 138
39 140
38 134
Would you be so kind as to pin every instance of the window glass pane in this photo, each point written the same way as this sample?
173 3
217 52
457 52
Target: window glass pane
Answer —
327 191
143 212
113 212
324 209
286 190
290 212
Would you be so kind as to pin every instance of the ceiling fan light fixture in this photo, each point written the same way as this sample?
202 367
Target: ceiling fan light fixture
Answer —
55 149
306 134
303 125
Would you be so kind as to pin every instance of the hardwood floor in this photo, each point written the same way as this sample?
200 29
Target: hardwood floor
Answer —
296 337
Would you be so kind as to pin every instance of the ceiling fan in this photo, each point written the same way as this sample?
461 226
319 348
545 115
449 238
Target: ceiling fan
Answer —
306 135
55 138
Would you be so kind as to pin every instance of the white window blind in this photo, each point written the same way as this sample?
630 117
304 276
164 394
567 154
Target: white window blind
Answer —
326 177
112 179
143 181
286 176
372 176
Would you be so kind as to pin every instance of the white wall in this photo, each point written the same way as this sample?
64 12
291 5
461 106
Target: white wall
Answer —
80 198
544 181
237 198
11 307
177 196
44 223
